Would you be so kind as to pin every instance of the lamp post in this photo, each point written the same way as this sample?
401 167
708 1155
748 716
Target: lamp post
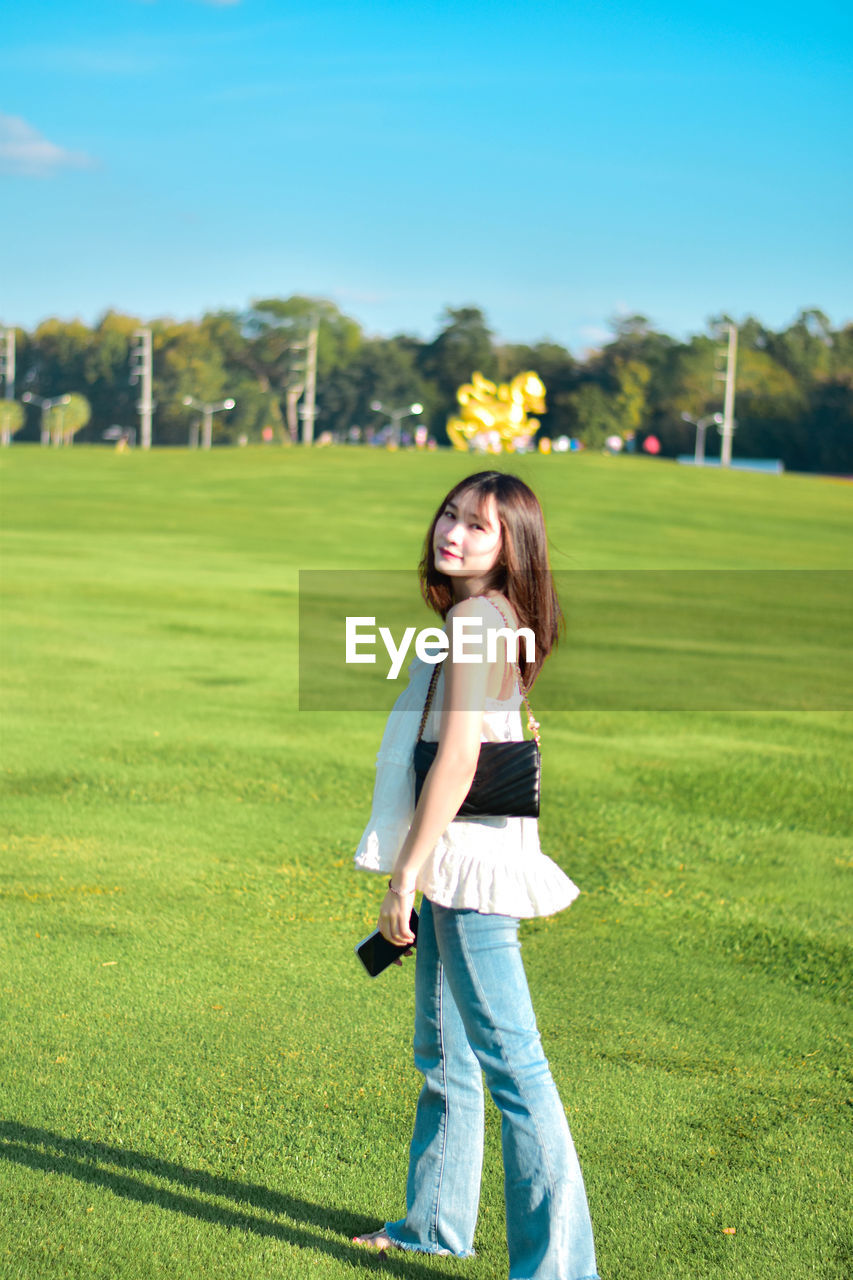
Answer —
396 415
701 424
207 411
141 370
728 423
7 361
29 397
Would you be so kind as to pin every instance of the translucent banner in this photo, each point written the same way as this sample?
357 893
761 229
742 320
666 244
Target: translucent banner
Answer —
644 639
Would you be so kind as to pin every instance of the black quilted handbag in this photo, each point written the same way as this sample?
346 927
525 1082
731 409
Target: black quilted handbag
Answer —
507 779
506 782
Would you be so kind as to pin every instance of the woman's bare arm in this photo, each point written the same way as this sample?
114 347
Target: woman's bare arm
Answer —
449 779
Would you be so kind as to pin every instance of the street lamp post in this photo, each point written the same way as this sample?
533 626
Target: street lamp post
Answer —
701 424
728 418
207 411
396 415
7 361
29 397
141 370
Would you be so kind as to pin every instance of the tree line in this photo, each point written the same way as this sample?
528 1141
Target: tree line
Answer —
794 386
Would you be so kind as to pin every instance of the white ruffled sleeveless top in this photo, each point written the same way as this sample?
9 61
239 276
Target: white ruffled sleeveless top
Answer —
494 865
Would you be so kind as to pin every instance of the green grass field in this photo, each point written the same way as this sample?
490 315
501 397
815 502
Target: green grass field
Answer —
198 1080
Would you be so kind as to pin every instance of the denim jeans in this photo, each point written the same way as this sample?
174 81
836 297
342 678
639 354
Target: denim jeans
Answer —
473 1018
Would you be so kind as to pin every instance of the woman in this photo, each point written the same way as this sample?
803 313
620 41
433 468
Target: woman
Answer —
485 560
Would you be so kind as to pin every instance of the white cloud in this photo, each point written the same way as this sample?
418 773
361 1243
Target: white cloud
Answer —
23 150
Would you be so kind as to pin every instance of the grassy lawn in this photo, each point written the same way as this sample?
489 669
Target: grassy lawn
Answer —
198 1080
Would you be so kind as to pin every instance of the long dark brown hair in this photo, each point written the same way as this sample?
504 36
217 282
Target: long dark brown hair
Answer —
522 573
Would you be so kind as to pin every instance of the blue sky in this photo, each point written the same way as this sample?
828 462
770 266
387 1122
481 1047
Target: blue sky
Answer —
554 163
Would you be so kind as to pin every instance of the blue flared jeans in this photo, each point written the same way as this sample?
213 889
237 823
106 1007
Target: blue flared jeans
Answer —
474 1019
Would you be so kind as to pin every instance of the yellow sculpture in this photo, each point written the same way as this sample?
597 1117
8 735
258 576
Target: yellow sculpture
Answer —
494 418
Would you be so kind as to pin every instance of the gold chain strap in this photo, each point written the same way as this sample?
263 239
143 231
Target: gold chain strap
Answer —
532 723
432 683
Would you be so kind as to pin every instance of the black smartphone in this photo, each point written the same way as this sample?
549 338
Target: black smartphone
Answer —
376 952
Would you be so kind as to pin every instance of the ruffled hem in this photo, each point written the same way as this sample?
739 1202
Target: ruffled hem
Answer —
539 888
533 886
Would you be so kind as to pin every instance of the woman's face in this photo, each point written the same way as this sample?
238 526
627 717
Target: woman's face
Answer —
467 540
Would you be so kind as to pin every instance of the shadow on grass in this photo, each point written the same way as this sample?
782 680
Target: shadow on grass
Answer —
76 1158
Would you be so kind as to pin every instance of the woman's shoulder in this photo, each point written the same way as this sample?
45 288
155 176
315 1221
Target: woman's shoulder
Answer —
484 607
470 607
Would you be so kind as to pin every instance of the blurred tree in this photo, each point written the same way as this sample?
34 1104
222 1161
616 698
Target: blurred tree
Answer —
752 333
462 347
54 363
11 419
805 347
106 374
831 408
186 364
633 377
71 417
245 380
596 414
273 324
50 364
256 411
277 330
384 370
771 410
766 387
794 388
842 350
693 385
634 339
224 330
832 427
63 420
769 403
465 341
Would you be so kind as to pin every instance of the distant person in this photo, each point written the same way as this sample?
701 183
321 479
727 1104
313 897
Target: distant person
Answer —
485 557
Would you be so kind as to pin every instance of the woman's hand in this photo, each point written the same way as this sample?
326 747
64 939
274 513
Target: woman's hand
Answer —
394 916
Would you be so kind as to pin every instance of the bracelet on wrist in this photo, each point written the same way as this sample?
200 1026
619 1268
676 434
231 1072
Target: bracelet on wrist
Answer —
401 893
